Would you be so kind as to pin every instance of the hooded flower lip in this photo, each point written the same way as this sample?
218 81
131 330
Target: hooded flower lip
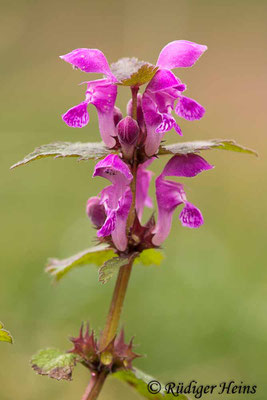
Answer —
171 194
89 60
165 88
114 169
116 198
180 54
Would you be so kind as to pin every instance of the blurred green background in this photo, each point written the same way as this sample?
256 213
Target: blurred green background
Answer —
200 315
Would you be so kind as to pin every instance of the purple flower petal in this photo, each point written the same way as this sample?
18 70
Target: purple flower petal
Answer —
102 94
189 109
188 165
163 79
88 60
108 226
119 235
169 196
180 53
77 117
191 216
168 122
96 211
114 169
142 187
152 119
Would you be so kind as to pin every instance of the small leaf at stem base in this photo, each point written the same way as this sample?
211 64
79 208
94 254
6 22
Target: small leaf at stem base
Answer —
54 363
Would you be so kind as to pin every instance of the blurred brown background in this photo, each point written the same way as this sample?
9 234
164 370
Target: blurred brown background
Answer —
200 315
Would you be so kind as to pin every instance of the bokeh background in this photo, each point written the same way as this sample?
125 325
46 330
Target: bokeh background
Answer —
200 315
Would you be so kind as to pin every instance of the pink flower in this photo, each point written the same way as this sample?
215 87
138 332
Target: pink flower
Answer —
165 88
171 194
101 93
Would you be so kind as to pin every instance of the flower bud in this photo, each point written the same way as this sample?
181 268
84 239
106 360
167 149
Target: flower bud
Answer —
117 115
128 131
96 211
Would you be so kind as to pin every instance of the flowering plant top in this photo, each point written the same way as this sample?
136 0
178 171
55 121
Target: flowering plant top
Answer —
131 144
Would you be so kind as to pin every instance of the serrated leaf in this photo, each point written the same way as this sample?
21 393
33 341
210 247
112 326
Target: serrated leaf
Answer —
197 146
150 257
108 269
139 381
133 72
95 255
85 151
5 336
54 363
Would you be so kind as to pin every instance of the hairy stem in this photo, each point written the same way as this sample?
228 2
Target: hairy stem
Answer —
95 385
116 305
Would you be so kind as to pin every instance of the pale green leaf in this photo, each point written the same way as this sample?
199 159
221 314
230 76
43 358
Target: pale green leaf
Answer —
5 335
133 72
140 382
54 363
85 151
109 268
197 146
95 255
150 257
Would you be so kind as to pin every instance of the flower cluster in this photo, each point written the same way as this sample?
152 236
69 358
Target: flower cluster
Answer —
134 142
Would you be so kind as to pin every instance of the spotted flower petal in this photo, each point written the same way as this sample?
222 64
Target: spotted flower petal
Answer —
180 53
191 216
114 169
189 109
77 116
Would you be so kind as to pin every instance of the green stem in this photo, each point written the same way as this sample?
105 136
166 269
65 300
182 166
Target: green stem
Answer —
115 309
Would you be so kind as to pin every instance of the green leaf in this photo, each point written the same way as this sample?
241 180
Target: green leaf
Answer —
150 257
195 147
139 381
5 335
109 268
54 363
85 151
95 255
132 72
